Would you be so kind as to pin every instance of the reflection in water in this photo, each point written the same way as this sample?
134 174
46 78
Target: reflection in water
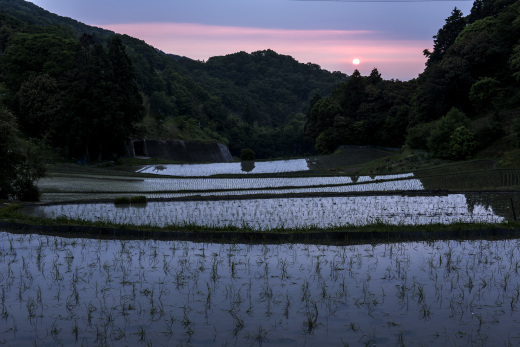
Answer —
201 170
264 214
59 291
248 165
499 202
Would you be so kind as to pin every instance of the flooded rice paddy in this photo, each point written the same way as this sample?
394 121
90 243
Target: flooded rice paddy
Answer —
137 185
91 292
94 292
264 214
198 170
402 185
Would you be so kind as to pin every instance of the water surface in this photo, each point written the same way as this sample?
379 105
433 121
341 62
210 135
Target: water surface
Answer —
262 214
74 291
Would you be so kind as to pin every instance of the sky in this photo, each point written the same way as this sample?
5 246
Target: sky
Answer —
387 35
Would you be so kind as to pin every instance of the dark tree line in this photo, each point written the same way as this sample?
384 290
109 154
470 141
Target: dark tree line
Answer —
473 76
361 111
265 95
61 81
466 98
79 95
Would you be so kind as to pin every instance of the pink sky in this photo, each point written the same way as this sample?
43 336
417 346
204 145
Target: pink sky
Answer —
333 50
388 34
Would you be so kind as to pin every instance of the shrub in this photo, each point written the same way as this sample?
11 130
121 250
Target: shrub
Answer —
27 191
22 161
487 133
484 93
516 128
247 154
325 142
141 199
417 137
440 137
8 209
462 143
122 200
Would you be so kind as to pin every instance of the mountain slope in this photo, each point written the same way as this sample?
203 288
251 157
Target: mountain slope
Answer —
191 100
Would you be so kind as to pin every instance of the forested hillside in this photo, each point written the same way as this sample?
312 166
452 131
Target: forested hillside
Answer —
468 96
85 90
65 74
267 95
466 100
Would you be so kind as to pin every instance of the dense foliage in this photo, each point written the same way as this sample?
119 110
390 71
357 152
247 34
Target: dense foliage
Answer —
266 95
467 97
361 111
474 72
243 100
86 91
79 94
21 159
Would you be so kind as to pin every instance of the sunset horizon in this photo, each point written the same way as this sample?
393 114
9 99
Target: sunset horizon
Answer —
389 36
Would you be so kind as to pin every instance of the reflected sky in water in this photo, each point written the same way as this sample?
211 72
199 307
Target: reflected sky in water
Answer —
76 291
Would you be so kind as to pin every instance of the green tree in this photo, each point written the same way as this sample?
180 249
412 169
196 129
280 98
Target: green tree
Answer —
514 63
321 117
462 143
483 94
418 135
374 77
40 105
247 154
32 54
351 94
324 143
441 135
446 36
161 105
104 102
481 9
21 160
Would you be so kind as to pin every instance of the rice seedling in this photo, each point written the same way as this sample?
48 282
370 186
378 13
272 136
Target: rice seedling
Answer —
267 214
117 287
258 336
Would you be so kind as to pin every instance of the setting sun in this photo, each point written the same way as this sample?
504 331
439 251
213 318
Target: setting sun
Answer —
356 61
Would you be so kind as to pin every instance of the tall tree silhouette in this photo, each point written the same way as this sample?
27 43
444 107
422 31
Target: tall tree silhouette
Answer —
445 37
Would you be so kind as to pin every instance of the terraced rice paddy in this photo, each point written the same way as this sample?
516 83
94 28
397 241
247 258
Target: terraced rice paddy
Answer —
91 188
265 214
90 292
294 202
203 170
115 184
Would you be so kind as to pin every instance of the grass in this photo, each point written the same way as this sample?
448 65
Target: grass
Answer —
509 159
124 200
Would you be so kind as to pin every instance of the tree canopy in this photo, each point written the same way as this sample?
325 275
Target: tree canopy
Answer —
86 90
